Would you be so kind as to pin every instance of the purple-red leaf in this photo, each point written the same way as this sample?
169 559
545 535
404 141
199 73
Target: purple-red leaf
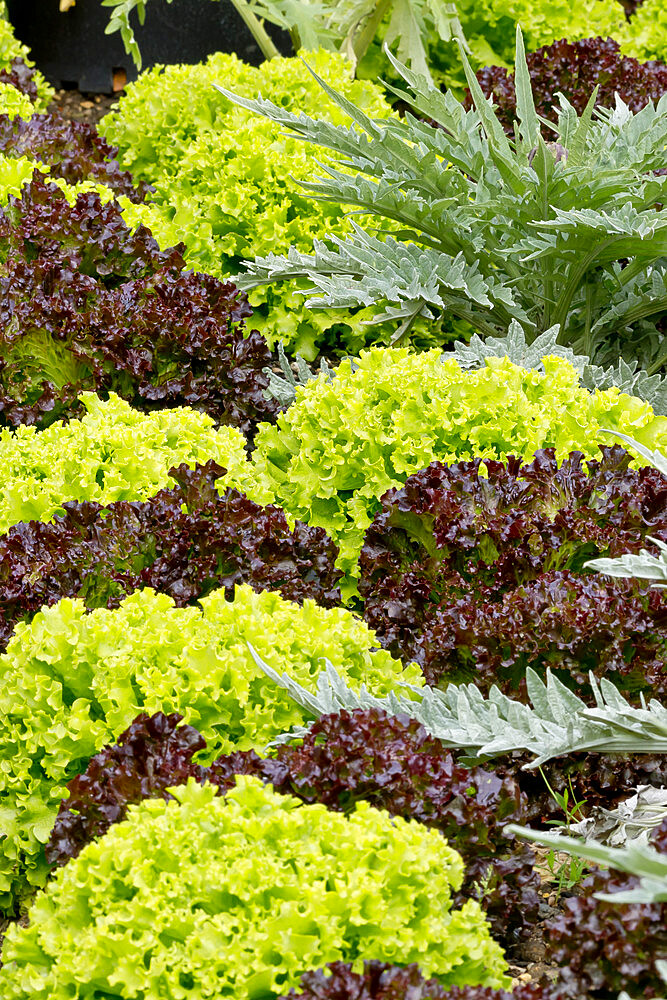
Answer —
185 542
478 577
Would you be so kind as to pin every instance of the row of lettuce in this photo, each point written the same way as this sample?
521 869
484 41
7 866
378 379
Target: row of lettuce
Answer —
160 515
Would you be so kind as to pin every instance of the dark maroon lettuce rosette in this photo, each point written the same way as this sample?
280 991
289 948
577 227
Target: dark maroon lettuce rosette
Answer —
480 576
185 542
86 303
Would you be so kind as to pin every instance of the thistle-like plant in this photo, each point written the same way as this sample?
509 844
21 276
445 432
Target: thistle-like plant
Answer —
350 26
616 938
521 351
641 860
119 20
283 387
347 26
570 234
557 723
645 565
530 353
633 820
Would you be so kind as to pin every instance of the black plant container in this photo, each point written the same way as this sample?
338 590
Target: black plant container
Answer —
72 50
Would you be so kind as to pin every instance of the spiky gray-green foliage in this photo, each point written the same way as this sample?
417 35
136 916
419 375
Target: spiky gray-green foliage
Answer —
632 820
641 860
558 722
655 458
348 26
570 234
644 565
283 387
636 858
351 25
628 377
119 20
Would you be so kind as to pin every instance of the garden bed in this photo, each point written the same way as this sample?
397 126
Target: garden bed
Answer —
333 544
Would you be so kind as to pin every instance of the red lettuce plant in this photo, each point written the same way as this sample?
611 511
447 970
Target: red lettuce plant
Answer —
392 762
21 76
378 981
573 624
575 69
381 981
604 947
74 151
87 303
389 761
185 542
153 754
479 577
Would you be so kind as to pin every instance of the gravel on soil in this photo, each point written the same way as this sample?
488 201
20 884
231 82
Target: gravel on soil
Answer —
78 107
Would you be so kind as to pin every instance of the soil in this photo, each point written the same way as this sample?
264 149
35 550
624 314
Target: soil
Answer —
78 107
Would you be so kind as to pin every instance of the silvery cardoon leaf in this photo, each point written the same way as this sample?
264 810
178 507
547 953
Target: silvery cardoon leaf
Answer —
640 860
557 723
633 819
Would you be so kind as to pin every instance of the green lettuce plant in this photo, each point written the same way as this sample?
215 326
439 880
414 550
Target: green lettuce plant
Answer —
645 35
227 182
628 377
235 896
112 453
13 102
490 28
343 443
15 171
570 235
72 681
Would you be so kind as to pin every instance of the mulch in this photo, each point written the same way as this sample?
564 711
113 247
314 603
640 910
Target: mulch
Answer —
78 107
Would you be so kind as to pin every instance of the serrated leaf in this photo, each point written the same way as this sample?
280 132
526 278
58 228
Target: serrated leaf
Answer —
572 237
632 820
640 860
525 105
577 142
560 723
